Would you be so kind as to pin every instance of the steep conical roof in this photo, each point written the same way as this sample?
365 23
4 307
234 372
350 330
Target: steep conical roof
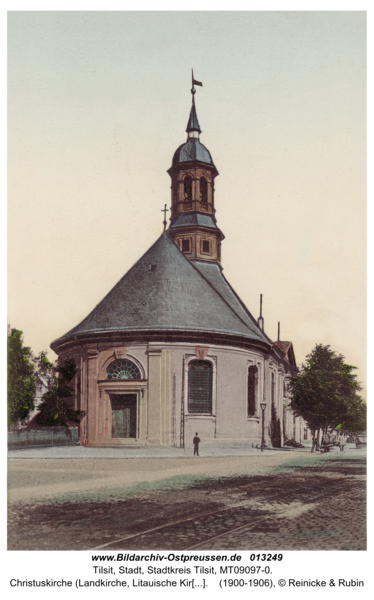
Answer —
193 122
164 291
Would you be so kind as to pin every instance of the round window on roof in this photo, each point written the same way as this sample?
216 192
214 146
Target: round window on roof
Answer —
123 369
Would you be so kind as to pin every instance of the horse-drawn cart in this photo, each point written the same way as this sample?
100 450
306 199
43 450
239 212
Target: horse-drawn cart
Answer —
326 447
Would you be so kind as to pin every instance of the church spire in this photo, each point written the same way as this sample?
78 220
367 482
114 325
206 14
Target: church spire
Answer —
193 127
193 123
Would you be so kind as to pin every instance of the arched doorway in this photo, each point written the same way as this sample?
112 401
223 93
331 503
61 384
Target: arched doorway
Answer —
124 406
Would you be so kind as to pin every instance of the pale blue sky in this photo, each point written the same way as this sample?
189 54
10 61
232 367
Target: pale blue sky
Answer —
98 103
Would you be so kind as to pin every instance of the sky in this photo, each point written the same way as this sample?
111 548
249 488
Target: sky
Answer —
98 102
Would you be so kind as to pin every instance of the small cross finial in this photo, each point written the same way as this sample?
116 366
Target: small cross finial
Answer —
165 210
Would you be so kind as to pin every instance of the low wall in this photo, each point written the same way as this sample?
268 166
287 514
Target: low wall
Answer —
51 436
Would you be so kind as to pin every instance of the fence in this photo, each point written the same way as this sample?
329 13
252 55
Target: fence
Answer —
53 436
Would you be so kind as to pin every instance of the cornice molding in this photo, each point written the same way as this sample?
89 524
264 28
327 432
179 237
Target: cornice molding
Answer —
158 336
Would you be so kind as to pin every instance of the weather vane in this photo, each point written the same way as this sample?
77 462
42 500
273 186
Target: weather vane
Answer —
193 91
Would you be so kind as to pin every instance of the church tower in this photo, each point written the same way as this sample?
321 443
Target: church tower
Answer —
193 224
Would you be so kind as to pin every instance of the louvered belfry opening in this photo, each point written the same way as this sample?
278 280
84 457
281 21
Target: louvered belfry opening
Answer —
200 379
203 190
188 188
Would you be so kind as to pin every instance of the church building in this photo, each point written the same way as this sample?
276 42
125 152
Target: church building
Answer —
172 350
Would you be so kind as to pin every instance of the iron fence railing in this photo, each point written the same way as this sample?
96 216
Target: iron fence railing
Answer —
54 436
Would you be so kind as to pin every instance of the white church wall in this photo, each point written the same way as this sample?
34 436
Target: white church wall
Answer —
162 392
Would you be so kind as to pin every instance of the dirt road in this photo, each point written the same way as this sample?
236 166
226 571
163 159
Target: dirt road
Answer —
278 502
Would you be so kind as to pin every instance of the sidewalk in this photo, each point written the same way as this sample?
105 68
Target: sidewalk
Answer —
209 450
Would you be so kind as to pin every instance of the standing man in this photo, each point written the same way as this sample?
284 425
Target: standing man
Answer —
196 442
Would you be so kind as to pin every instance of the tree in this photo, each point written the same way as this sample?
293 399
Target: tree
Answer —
356 417
26 372
325 392
21 378
54 409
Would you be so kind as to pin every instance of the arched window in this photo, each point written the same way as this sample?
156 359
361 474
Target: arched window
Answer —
203 190
123 369
252 390
200 379
188 188
272 389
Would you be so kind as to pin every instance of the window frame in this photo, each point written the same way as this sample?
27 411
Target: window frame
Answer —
260 390
117 360
188 358
256 377
273 390
183 241
191 410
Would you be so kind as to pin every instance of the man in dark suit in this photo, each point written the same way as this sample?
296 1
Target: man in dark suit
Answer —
196 442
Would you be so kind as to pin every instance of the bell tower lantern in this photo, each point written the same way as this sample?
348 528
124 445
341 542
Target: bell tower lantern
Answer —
193 224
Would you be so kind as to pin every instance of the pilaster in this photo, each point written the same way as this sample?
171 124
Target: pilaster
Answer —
160 397
91 394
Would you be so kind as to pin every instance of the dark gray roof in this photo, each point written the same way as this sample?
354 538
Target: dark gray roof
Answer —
193 122
214 275
192 150
164 291
185 220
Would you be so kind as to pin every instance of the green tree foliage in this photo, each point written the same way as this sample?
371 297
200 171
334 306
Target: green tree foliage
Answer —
54 409
325 392
26 372
21 378
356 417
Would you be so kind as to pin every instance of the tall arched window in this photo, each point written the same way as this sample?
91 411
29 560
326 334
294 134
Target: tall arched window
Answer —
272 389
252 390
203 190
200 380
188 188
123 369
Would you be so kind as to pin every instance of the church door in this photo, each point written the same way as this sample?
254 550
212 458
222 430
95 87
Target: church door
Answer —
124 417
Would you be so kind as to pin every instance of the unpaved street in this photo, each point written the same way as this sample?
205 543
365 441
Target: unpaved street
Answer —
284 501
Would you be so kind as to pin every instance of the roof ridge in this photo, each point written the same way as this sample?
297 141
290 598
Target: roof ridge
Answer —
246 309
219 294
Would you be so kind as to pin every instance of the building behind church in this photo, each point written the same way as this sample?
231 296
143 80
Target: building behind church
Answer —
172 349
